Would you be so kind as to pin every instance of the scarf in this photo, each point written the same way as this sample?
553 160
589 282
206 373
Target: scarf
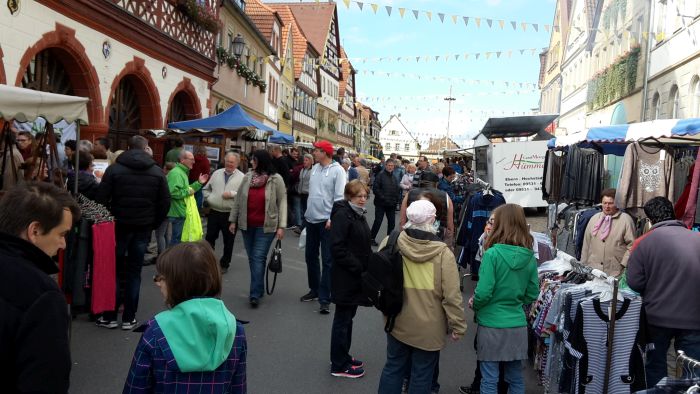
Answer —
258 180
602 228
358 209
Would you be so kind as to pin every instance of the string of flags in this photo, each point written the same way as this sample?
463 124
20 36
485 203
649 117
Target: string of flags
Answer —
478 22
506 53
464 81
440 97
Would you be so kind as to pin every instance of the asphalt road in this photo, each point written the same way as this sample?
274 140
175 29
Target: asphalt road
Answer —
288 341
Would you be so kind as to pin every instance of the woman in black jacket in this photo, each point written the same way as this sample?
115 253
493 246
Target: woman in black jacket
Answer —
350 248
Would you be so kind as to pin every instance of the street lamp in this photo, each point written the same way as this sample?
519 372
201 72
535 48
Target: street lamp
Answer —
238 46
449 100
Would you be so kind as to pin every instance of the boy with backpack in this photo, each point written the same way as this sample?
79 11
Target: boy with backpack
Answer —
432 303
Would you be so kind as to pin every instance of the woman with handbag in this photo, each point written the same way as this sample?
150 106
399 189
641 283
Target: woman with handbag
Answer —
260 211
350 248
196 345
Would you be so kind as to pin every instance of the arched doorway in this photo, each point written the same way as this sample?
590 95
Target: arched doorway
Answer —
131 109
46 73
182 108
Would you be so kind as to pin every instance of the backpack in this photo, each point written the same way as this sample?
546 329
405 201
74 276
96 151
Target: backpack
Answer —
382 282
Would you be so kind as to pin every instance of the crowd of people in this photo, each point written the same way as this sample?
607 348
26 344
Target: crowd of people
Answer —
323 194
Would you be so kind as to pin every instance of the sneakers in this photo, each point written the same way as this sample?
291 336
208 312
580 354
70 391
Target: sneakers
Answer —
308 297
254 302
325 309
129 325
297 230
468 390
355 363
352 373
224 270
104 323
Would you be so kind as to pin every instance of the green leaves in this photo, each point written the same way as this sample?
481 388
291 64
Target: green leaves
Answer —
615 82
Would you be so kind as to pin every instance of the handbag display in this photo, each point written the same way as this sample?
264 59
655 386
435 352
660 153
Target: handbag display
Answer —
274 266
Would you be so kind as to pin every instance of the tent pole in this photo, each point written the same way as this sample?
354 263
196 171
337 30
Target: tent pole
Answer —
77 156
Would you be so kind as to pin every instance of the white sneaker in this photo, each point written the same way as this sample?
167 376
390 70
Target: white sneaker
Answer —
102 322
129 325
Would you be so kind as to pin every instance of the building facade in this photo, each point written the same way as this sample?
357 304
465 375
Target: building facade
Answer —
346 105
141 63
396 138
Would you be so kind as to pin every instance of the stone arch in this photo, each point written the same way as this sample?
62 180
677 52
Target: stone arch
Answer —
187 94
147 96
82 74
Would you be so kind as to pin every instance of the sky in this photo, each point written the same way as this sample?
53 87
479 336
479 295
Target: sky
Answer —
420 102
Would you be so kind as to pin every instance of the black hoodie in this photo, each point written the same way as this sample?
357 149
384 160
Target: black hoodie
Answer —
34 346
350 248
136 191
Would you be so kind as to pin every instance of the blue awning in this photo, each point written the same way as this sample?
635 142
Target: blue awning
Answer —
280 138
234 118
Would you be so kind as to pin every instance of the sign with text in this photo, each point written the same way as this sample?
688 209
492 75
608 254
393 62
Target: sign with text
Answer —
516 171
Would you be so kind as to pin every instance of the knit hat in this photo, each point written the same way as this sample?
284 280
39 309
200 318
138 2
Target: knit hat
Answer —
324 146
420 212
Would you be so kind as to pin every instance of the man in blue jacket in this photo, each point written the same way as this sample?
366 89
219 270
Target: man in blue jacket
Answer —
664 267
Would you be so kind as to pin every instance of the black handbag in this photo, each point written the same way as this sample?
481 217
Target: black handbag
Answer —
274 265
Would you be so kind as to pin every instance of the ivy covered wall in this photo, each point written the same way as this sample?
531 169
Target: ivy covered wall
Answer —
615 82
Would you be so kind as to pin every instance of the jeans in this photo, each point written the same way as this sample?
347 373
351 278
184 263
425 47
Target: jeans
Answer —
319 283
130 249
686 340
176 232
257 244
199 198
513 374
218 222
341 337
379 213
162 236
299 205
398 357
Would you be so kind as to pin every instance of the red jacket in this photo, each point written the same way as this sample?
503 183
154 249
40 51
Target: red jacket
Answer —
201 166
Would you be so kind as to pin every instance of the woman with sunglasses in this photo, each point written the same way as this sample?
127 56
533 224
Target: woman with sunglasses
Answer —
196 345
260 211
350 248
507 281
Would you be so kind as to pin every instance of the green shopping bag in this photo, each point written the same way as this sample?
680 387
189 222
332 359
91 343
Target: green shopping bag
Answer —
192 230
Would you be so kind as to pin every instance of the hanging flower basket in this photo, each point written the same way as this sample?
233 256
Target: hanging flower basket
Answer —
200 14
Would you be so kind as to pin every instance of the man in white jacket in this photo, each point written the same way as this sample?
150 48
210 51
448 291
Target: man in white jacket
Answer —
220 193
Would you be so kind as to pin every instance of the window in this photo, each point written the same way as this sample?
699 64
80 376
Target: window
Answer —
230 41
695 97
656 107
406 147
675 102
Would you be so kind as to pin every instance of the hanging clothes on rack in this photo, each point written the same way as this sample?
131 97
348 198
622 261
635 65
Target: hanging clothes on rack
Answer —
647 172
553 176
478 212
583 176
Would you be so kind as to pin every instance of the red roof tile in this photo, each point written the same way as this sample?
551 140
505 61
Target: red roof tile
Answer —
314 19
299 45
262 15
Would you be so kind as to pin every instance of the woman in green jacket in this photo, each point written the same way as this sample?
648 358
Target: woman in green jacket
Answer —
507 281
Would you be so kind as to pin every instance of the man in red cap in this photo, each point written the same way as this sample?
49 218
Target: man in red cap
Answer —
326 186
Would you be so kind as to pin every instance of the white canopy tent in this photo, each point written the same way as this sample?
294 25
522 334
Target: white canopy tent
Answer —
26 105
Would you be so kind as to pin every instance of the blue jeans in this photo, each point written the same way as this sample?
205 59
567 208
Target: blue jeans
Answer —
130 249
686 340
176 232
398 357
257 244
513 371
299 205
199 198
319 283
341 337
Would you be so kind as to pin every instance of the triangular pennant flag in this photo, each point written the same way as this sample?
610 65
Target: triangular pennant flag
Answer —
417 58
498 54
546 28
510 53
415 13
489 22
478 22
456 57
388 10
488 55
401 12
437 58
524 26
454 19
660 36
532 51
501 23
645 35
442 17
466 20
429 15
514 24
522 51
374 7
347 3
447 57
536 27
466 56
360 4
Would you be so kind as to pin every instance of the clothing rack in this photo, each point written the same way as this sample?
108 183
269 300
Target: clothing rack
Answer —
92 211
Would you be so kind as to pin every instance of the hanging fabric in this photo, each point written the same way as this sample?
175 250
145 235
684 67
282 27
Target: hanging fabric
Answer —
104 283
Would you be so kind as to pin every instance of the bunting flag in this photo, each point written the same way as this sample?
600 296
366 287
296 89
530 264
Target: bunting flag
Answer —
388 10
415 13
401 12
489 22
454 19
374 7
442 17
514 24
429 15
360 4
478 22
426 58
464 81
466 20
501 23
347 3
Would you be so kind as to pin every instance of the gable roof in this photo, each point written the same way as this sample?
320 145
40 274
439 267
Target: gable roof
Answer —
263 17
346 67
314 19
